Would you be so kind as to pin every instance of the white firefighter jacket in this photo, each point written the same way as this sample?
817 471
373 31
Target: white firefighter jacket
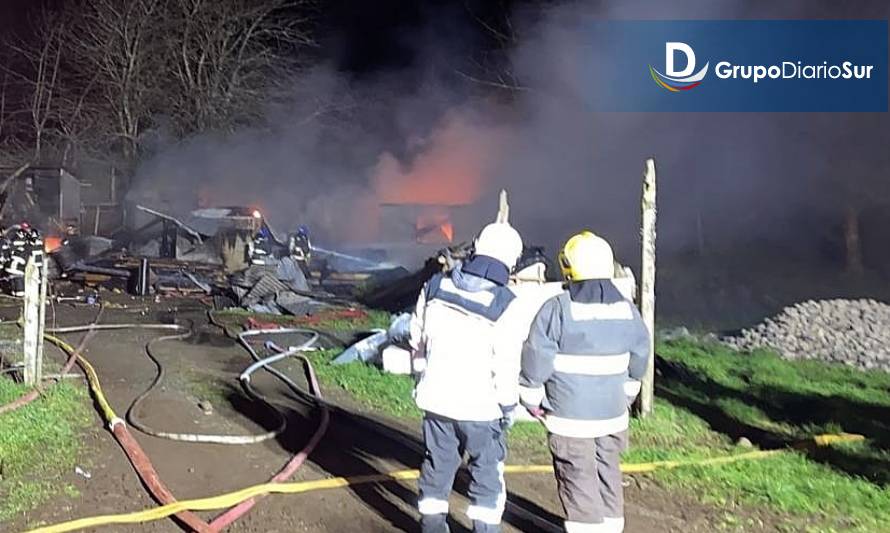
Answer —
467 337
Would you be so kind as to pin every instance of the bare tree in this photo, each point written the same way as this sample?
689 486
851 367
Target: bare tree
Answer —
229 57
116 41
491 66
3 92
35 69
98 74
12 152
46 70
77 120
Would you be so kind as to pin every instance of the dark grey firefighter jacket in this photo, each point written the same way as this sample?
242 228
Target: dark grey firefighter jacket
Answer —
585 354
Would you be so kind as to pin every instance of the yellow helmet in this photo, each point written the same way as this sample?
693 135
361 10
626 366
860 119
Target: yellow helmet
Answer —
587 256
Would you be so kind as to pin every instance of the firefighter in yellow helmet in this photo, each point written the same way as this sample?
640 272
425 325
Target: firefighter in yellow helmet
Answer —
586 256
581 365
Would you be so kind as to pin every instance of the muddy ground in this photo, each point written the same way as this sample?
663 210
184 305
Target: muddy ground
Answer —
204 368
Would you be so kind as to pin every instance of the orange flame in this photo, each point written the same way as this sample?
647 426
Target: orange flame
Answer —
51 244
434 228
453 171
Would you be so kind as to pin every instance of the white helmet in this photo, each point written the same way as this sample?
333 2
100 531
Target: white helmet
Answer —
501 242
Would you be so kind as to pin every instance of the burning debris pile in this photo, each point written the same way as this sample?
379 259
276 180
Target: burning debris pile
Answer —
852 332
273 289
228 254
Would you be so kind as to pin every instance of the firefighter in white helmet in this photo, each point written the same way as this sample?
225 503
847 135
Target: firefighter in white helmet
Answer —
466 352
581 369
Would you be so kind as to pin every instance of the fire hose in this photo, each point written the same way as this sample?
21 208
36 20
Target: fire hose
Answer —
134 451
159 377
125 439
34 393
223 500
199 437
297 460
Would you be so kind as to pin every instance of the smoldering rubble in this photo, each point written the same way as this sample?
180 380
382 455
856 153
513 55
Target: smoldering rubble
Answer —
229 255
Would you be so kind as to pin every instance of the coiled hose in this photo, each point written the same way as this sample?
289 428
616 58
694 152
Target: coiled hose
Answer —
125 439
297 460
185 332
201 437
136 454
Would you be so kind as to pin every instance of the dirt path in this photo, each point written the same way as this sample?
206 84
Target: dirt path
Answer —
205 368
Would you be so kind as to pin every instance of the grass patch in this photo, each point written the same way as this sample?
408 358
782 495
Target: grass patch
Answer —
38 443
203 387
775 402
369 386
779 403
234 319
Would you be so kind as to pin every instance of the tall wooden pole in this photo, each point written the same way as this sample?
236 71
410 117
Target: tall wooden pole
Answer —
647 282
32 343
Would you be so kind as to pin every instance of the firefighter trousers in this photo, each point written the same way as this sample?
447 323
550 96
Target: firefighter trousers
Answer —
446 442
589 483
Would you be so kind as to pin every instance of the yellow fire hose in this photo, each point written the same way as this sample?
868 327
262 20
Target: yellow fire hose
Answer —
232 498
92 378
229 499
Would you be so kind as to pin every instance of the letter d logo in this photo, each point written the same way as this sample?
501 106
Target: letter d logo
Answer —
670 50
678 80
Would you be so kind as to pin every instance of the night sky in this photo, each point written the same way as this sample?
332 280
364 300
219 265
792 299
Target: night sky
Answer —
367 37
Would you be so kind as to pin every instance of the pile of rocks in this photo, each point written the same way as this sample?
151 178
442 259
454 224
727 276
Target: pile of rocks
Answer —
853 332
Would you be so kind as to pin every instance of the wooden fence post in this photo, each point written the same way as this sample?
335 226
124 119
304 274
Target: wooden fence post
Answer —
503 208
647 281
33 341
44 277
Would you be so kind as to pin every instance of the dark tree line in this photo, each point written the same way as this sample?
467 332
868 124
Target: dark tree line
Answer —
94 76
